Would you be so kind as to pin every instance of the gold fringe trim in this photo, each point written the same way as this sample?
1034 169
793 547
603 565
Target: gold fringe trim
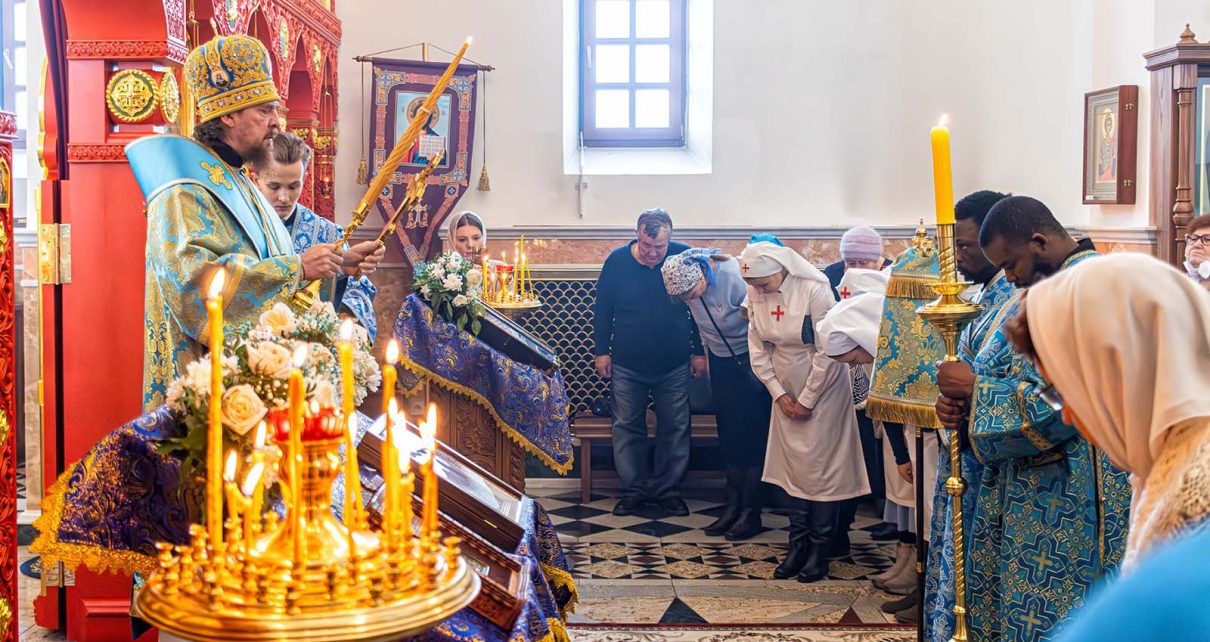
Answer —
558 631
902 287
563 580
97 558
900 412
508 430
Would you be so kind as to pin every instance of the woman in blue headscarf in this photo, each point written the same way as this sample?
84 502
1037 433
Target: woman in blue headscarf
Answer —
710 284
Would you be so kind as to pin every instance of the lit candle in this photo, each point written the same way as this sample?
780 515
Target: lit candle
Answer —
294 453
943 178
390 474
527 289
251 488
257 492
428 431
521 266
352 481
214 433
229 487
404 463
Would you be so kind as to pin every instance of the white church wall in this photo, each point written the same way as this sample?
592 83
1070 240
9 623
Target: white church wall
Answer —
821 108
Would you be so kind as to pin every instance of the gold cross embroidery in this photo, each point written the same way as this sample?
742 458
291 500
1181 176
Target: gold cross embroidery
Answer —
217 175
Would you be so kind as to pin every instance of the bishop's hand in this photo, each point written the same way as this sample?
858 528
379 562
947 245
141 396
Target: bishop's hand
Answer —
362 259
320 261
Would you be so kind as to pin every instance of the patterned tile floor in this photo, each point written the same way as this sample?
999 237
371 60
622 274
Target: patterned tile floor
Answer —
644 569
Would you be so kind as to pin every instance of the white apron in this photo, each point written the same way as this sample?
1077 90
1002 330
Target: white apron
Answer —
818 459
897 489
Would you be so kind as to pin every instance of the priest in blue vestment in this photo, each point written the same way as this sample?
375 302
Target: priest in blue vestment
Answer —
1050 511
280 176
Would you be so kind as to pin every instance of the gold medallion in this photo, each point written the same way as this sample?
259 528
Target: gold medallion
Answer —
131 95
218 175
170 98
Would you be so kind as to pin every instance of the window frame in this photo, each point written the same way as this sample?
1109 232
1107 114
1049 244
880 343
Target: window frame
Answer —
633 136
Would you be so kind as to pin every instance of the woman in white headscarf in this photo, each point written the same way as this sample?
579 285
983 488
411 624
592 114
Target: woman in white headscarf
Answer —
814 450
1125 340
468 235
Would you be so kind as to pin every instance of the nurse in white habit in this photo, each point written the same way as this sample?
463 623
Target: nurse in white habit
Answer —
814 450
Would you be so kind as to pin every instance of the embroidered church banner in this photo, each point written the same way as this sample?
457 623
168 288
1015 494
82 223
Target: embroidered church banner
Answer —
399 87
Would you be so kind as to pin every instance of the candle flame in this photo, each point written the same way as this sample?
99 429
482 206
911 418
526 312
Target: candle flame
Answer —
392 408
258 441
346 330
300 355
314 407
392 352
229 469
217 282
431 417
944 121
469 39
398 436
252 479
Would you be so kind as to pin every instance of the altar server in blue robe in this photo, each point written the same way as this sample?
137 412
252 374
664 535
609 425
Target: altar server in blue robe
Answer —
1050 510
280 176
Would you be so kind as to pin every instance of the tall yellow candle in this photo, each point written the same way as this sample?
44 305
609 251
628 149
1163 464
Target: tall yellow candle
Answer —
352 502
229 486
407 484
428 430
251 488
214 432
257 492
389 408
943 177
298 398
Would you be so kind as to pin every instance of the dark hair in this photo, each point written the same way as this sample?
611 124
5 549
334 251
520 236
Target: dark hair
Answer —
650 221
466 218
977 205
1199 223
287 150
210 132
1016 219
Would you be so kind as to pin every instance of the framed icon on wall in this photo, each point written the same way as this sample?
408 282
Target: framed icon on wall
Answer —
1110 145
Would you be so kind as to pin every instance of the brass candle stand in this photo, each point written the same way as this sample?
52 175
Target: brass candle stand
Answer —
306 576
950 315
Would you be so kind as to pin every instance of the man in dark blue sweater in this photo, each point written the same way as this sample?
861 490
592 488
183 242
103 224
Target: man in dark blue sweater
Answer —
646 345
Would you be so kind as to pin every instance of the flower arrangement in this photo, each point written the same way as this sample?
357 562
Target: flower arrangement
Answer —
257 360
452 285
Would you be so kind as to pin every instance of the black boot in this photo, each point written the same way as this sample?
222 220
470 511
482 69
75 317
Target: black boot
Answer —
748 523
800 517
839 547
731 505
825 517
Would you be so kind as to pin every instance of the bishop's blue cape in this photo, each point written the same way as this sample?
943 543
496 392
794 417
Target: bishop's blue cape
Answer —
308 228
202 214
1050 512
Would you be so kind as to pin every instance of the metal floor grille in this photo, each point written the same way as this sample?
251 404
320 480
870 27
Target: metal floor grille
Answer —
565 323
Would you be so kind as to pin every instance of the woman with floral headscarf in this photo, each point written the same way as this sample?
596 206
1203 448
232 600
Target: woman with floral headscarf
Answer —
710 284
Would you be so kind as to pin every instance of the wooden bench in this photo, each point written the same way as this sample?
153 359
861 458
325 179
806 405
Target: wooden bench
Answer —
590 428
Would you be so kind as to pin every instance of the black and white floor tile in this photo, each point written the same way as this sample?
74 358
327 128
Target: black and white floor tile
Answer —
646 568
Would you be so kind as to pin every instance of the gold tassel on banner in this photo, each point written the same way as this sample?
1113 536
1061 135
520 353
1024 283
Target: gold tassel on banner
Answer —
363 172
485 184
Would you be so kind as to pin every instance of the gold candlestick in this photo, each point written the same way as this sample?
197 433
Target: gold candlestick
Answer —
950 315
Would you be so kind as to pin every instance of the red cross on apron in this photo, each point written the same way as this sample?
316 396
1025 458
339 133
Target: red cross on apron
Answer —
778 313
845 293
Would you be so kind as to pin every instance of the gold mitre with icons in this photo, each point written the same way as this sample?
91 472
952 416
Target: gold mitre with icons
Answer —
229 73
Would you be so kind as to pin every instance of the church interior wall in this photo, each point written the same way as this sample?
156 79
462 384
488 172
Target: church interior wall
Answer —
821 109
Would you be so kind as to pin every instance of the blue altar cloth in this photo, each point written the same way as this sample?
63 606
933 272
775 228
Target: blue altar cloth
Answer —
527 404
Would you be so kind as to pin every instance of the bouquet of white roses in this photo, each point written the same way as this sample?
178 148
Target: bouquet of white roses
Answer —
257 360
452 285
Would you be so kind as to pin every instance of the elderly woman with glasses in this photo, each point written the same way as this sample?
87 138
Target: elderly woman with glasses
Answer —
1197 250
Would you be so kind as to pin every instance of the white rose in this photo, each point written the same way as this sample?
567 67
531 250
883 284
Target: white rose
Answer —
437 272
279 319
242 408
461 300
474 277
325 395
271 359
452 282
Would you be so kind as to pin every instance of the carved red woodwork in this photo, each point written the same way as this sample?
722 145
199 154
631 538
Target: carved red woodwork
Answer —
93 363
8 400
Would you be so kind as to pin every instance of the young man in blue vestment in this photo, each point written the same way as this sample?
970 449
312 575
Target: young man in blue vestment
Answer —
279 175
1050 510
